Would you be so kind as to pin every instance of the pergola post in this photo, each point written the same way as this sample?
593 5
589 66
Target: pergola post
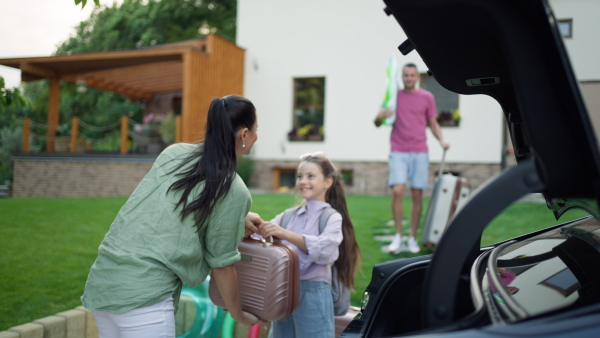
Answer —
124 130
217 72
74 132
193 105
53 113
25 135
178 128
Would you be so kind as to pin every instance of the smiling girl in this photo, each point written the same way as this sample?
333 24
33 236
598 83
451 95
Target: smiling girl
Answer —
319 183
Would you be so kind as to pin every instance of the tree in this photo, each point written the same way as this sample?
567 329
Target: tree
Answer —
11 100
83 2
140 23
10 97
10 132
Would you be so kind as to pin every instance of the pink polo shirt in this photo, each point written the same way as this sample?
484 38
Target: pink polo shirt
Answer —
413 109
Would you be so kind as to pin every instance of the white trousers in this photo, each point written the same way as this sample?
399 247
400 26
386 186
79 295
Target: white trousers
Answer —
154 321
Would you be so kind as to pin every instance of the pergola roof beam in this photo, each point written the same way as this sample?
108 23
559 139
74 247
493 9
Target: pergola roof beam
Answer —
37 70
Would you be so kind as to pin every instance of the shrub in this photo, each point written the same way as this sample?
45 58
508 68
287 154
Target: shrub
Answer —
11 142
245 168
167 128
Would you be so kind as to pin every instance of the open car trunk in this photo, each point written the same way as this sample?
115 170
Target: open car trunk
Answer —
512 51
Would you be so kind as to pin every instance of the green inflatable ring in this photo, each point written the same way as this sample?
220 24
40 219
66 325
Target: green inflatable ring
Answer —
209 317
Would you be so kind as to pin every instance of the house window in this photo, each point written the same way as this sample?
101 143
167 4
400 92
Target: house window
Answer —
284 179
565 26
348 177
309 109
445 101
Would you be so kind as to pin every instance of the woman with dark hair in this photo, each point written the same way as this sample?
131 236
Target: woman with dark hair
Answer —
184 219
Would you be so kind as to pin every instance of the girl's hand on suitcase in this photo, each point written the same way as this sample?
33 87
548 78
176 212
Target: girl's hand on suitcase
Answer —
268 229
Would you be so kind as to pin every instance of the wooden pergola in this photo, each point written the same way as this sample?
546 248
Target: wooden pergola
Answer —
200 69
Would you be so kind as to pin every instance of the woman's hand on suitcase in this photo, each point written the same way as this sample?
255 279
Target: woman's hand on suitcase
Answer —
249 319
251 223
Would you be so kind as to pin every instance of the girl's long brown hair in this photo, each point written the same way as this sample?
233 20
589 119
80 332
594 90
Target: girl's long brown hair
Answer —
350 256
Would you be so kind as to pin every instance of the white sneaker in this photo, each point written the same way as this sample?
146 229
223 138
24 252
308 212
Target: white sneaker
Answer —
396 245
413 246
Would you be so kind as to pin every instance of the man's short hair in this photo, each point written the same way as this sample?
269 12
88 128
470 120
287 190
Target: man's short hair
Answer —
410 65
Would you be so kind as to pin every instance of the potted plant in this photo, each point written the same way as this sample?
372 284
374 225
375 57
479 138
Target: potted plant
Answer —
308 132
449 118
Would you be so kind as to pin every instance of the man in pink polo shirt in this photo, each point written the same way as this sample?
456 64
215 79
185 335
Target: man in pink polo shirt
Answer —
415 110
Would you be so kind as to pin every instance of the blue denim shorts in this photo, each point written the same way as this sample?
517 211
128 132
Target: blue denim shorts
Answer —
414 166
314 316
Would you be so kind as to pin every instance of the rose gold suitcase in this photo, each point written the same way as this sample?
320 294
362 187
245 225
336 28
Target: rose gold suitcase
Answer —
268 280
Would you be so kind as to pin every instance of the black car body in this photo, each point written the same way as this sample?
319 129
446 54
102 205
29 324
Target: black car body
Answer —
512 51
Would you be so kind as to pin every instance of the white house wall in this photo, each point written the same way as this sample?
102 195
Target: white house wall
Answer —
584 49
584 46
348 42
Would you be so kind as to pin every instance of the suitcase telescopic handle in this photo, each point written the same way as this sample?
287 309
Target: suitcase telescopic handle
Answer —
442 163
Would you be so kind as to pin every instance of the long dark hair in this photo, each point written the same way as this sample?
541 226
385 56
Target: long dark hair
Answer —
214 163
350 255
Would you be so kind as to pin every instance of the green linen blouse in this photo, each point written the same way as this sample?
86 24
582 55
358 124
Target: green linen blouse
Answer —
148 251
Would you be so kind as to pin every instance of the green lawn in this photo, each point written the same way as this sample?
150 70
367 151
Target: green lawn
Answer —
48 245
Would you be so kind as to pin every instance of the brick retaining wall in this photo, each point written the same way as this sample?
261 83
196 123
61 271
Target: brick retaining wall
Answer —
118 175
78 176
